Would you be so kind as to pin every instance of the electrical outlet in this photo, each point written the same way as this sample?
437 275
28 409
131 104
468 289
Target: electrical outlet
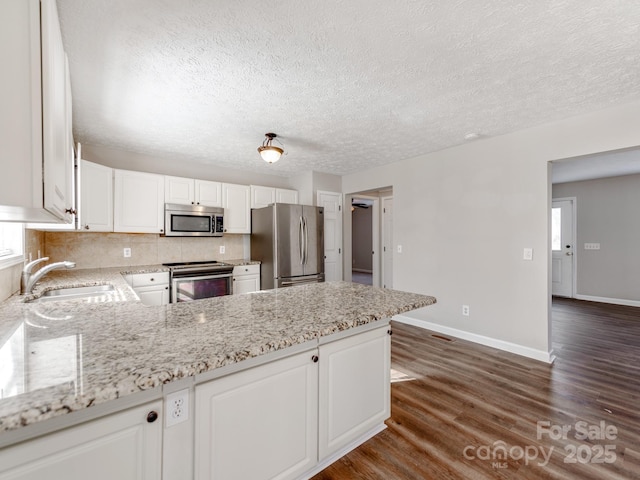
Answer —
528 254
465 310
399 248
177 407
221 249
127 252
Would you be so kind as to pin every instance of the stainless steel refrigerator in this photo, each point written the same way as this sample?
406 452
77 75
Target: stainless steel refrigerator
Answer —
289 241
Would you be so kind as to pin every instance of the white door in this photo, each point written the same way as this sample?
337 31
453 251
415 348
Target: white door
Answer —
332 203
562 248
387 242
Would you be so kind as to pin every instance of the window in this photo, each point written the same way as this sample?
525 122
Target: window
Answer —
11 243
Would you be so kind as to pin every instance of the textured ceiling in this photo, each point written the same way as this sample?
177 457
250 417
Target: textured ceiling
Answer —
347 85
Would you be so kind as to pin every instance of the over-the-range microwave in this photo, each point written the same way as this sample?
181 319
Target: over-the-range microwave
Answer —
193 220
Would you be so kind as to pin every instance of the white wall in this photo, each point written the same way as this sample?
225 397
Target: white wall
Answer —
463 216
607 213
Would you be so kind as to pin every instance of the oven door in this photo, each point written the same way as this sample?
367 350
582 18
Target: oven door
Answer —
187 289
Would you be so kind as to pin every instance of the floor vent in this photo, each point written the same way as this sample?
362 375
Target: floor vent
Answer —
440 337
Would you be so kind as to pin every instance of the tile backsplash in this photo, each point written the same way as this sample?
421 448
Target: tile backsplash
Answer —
99 250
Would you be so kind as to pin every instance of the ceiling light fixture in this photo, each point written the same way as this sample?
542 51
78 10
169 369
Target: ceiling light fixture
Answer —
268 152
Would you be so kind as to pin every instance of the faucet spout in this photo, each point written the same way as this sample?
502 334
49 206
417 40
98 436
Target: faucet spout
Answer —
29 280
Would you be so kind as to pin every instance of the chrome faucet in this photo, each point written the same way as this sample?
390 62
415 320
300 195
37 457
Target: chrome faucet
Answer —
28 280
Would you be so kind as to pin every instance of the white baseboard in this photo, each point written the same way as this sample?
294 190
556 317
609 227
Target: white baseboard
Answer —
614 301
361 270
342 452
528 352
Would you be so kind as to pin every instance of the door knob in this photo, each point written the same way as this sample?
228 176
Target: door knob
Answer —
570 253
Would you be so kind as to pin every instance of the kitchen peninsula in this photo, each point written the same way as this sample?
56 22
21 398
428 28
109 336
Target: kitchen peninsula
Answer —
271 353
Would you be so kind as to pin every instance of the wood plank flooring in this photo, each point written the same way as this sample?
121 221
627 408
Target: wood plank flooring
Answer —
466 401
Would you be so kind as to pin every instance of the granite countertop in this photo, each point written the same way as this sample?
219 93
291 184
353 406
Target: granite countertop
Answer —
69 355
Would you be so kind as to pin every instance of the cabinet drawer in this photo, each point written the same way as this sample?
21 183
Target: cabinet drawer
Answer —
246 270
146 279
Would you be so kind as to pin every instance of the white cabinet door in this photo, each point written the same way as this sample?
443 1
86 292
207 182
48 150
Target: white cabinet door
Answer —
156 295
96 202
354 388
138 202
56 104
179 190
246 279
260 423
262 196
208 193
123 446
286 196
237 208
35 115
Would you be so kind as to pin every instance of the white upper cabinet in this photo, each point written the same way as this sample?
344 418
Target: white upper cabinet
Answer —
179 190
35 119
187 191
286 196
265 196
138 202
262 196
96 202
208 193
236 200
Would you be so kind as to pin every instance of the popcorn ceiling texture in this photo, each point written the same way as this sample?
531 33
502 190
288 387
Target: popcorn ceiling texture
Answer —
101 250
347 85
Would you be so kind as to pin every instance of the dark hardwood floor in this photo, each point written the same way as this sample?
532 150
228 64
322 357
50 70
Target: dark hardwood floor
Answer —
466 401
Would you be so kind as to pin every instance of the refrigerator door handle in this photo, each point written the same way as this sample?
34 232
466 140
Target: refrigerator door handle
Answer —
306 239
301 240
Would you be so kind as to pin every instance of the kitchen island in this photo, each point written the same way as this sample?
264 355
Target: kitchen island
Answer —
74 361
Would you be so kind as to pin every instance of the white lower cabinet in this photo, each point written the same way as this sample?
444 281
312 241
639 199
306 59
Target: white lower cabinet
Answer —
354 388
151 288
123 446
246 279
260 423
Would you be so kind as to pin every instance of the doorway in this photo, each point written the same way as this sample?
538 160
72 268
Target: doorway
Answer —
362 239
563 247
368 251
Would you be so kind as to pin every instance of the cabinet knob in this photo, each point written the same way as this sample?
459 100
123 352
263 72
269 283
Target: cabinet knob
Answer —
152 279
86 227
315 359
166 288
152 416
161 230
72 211
389 332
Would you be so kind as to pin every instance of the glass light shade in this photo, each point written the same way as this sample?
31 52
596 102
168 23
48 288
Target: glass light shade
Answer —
270 154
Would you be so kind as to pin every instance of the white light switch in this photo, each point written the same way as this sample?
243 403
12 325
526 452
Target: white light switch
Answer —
528 254
592 246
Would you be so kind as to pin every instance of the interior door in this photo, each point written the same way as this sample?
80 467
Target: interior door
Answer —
562 248
387 242
332 204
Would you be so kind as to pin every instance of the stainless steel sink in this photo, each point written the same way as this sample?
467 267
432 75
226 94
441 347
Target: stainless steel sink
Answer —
73 293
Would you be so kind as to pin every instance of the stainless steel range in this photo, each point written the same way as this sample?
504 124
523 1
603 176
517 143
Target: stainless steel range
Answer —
196 280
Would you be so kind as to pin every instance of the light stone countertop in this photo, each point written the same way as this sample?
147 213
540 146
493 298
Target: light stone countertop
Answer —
70 355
